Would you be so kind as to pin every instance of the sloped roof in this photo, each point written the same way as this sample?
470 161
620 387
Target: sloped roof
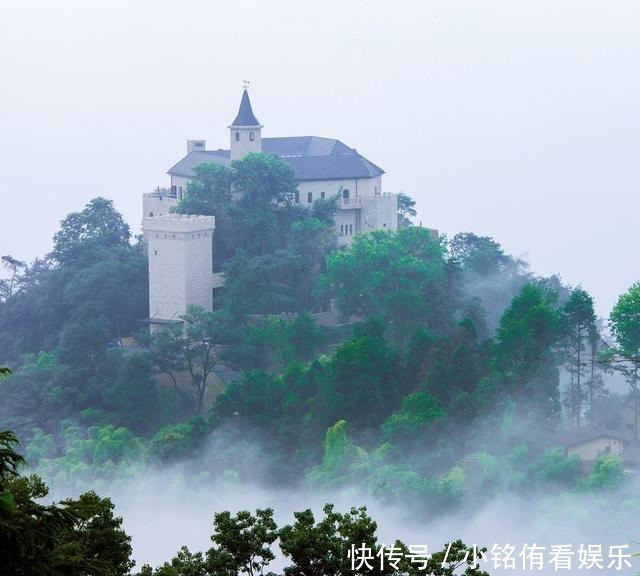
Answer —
311 157
586 434
185 167
245 116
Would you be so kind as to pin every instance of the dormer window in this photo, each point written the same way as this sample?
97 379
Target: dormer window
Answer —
237 136
252 136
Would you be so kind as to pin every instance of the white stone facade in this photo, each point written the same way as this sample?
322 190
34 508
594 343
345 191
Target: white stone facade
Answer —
244 139
180 249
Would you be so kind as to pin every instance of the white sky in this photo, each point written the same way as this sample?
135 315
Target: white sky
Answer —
515 119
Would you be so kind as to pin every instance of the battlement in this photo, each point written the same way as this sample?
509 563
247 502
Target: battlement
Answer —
178 224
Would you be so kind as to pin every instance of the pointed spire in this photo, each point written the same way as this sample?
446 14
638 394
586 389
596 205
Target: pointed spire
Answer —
245 115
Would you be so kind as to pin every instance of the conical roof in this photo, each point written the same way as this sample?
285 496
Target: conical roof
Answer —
245 115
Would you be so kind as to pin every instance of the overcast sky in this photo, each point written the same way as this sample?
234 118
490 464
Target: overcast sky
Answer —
515 119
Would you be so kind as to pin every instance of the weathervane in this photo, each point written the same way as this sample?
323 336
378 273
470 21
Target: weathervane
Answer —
245 84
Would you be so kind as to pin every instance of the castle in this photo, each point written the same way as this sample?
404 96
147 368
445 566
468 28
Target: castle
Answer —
180 247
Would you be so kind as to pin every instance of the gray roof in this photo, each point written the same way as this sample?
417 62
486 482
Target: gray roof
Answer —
245 116
587 433
311 157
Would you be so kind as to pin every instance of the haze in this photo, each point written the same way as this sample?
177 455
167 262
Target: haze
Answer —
516 120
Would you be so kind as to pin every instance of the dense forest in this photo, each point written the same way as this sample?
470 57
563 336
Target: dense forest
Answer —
447 371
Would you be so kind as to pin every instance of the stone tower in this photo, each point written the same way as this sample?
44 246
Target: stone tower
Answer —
180 251
245 131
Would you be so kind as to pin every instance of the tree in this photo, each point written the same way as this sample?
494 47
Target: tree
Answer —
92 272
186 346
417 417
135 399
99 226
262 215
208 192
397 276
624 322
406 210
339 544
481 254
9 286
242 543
579 327
75 537
360 384
485 274
523 359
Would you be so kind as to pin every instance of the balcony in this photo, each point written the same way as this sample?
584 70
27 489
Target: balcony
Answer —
164 192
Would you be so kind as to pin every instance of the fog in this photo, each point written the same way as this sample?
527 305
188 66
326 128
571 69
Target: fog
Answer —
164 510
165 507
516 120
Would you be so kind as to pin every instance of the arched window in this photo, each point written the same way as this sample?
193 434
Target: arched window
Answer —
345 193
237 136
150 214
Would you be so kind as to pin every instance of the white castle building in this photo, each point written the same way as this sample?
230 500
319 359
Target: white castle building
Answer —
180 247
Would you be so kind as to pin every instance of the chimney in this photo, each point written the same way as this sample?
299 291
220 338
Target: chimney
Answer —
195 146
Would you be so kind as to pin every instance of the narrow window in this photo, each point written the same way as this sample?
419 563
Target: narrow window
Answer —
297 196
375 189
322 195
345 193
350 229
155 252
251 136
341 229
237 136
309 197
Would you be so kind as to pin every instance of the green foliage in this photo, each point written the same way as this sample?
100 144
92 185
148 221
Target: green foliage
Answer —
399 277
608 474
186 346
523 361
79 536
208 191
93 273
406 210
99 226
242 543
179 441
419 413
361 382
135 400
554 465
578 325
185 563
624 321
479 254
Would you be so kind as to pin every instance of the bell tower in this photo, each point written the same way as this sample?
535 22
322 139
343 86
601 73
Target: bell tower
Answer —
245 130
